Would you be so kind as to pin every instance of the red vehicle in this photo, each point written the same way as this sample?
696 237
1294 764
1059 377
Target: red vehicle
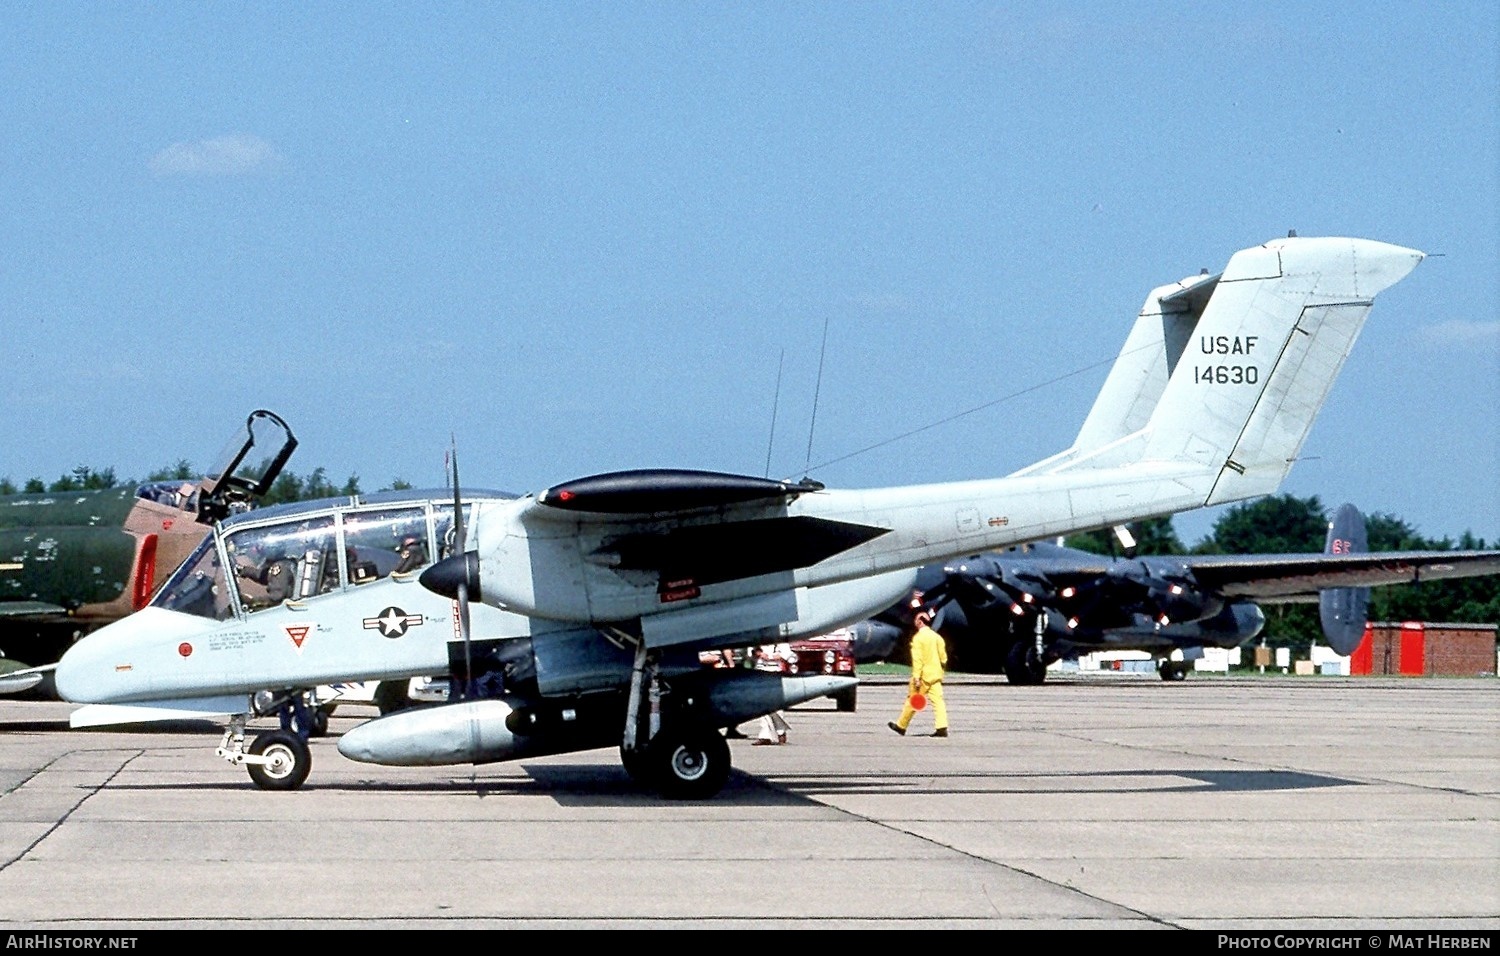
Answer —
831 653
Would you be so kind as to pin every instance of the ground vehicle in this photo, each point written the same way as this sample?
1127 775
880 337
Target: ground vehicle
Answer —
831 653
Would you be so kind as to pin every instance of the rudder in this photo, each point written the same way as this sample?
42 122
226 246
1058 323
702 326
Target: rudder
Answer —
1342 611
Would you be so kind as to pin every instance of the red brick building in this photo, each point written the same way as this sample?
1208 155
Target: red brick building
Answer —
1421 649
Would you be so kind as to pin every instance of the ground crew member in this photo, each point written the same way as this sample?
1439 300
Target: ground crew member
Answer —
929 655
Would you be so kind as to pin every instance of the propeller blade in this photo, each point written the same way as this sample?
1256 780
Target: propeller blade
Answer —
461 590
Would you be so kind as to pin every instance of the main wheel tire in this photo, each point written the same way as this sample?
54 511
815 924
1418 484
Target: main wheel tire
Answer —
691 764
637 764
287 760
846 700
318 721
1170 670
1022 666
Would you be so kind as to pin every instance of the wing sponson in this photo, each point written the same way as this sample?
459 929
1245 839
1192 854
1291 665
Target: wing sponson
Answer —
668 491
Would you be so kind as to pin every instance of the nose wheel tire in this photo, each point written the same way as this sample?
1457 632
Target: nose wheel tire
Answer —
287 760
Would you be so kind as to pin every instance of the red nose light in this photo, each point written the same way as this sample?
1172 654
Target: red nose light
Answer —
565 496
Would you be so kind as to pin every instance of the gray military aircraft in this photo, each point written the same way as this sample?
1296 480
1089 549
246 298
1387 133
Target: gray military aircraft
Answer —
283 599
1017 611
71 562
598 595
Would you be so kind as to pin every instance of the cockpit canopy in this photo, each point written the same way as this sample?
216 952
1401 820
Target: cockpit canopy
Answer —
296 552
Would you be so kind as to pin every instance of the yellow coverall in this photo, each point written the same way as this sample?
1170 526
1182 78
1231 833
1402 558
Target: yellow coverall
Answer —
929 655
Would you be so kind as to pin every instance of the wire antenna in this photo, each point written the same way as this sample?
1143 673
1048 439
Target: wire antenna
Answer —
817 388
970 411
775 404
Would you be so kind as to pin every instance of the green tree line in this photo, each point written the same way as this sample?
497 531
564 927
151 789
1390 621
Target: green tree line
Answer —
288 486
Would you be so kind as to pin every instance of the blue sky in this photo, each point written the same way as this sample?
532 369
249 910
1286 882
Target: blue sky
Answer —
582 237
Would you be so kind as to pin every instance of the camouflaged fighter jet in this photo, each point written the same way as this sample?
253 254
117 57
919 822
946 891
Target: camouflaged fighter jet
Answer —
600 593
71 562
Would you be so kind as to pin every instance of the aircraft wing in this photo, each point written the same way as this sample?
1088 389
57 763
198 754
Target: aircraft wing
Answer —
697 526
1281 578
17 610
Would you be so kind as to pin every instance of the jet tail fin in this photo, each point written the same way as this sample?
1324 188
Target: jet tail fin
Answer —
1342 611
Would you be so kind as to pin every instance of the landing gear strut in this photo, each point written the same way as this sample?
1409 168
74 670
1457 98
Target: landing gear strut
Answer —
275 759
664 745
1025 664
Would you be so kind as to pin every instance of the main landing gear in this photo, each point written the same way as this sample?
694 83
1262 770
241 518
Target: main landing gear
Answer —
1173 670
276 759
665 745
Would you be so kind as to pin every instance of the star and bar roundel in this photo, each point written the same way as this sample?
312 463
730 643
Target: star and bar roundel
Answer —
392 622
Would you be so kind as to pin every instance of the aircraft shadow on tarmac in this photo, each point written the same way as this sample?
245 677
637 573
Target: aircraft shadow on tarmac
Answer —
603 785
1201 781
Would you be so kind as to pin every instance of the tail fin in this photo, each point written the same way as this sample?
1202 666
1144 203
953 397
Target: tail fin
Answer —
1277 330
1136 381
1273 334
1342 611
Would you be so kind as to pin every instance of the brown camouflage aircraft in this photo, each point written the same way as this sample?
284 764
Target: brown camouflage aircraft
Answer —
71 562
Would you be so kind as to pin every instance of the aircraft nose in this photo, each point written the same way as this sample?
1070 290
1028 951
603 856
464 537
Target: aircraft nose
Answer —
74 677
445 577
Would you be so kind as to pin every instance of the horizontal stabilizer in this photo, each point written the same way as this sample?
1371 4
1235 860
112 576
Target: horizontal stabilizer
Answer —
22 679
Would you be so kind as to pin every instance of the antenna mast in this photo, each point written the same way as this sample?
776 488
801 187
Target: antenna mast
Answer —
816 389
775 404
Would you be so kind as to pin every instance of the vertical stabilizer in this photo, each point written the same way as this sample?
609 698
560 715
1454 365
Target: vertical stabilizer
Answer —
1139 375
1342 611
1274 336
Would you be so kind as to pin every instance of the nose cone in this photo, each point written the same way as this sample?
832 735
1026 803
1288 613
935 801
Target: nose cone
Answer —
82 675
114 663
445 577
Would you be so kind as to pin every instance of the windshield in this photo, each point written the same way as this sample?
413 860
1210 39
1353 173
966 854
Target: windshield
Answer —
197 586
